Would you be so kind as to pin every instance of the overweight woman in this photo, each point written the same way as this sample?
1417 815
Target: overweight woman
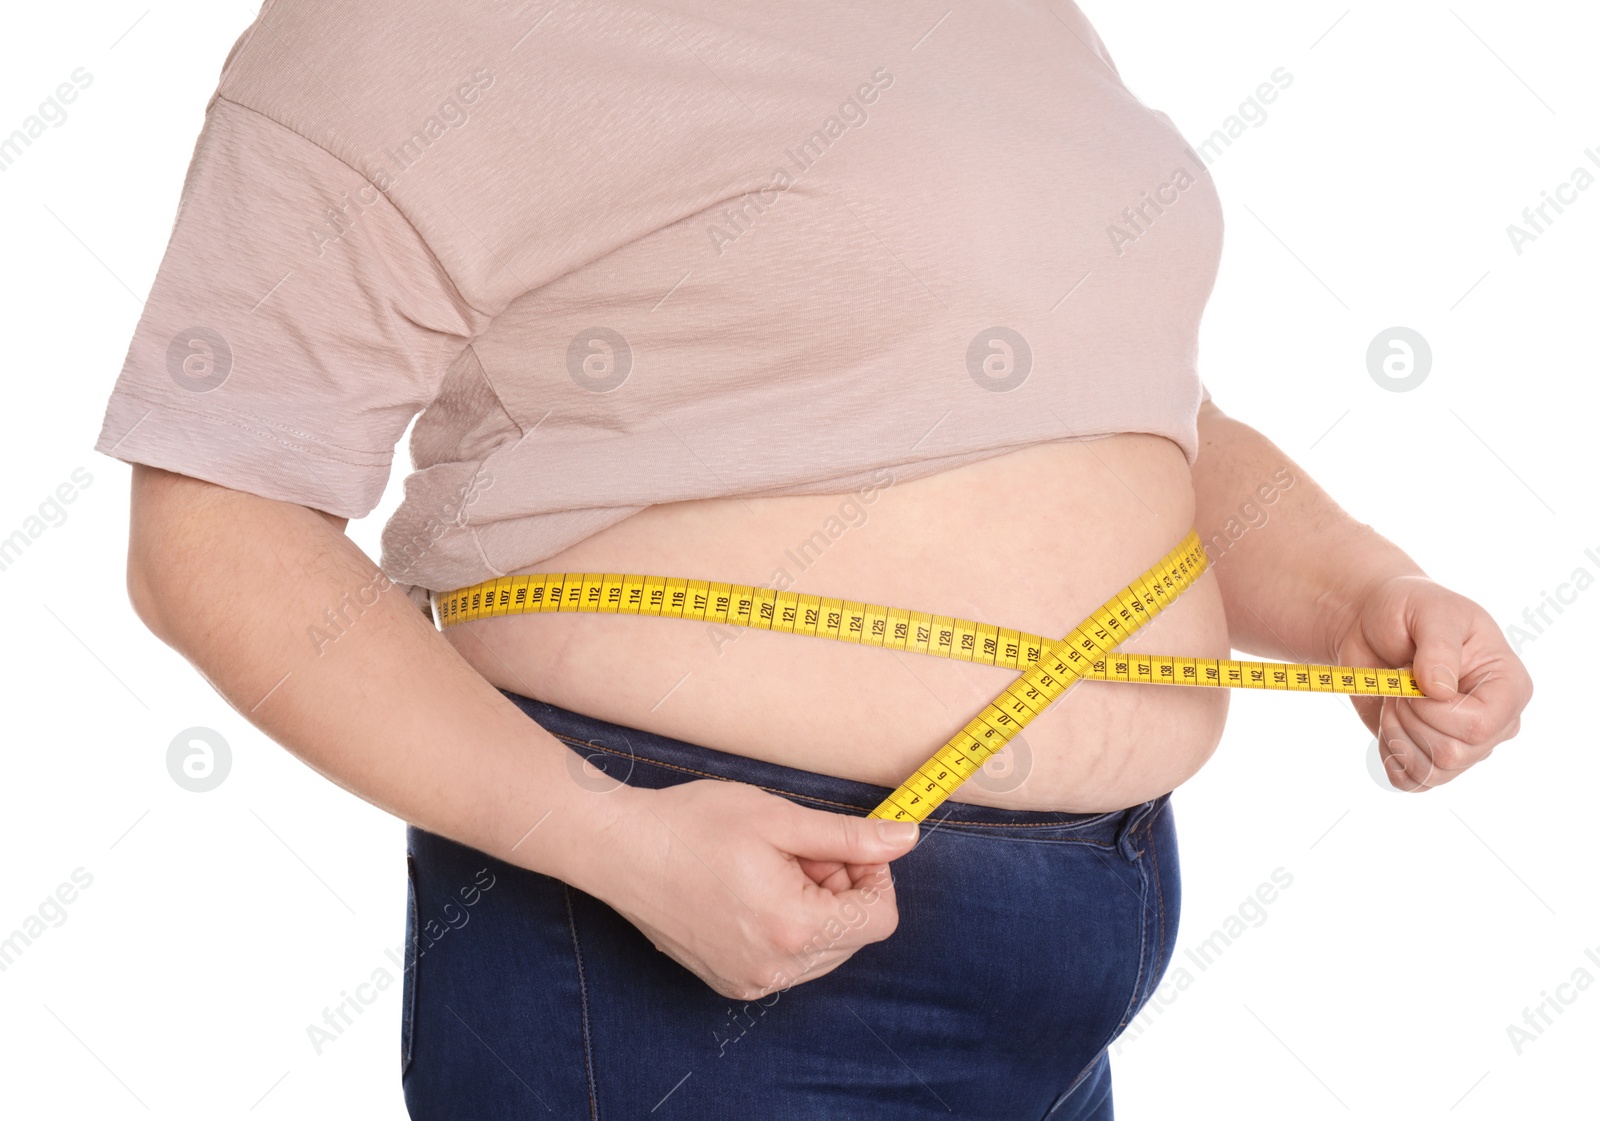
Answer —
896 305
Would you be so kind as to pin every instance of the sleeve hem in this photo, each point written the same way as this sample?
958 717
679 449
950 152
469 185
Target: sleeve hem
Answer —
172 438
293 439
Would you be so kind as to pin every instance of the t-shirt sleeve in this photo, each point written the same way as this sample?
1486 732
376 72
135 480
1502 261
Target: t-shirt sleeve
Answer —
295 326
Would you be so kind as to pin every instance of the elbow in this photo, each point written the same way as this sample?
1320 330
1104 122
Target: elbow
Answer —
144 587
140 595
155 499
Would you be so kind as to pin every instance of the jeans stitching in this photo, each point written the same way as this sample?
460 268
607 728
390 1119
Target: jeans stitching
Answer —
1138 986
1096 819
976 831
1144 930
1161 900
583 1003
1066 1096
409 1043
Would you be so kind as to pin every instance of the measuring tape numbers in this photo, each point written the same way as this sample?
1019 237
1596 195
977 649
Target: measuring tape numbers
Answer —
1049 667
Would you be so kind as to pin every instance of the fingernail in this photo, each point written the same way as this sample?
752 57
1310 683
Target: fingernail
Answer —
897 832
1445 680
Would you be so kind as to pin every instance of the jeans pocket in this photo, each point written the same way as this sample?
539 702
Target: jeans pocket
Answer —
408 985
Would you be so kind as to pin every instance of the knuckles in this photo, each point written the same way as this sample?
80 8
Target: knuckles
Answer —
1477 727
1450 756
792 940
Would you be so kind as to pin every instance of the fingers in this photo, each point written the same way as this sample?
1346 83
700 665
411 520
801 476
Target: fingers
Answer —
1406 764
844 921
1368 709
828 928
1485 712
757 892
822 835
1475 689
1437 739
812 944
1440 634
830 874
1394 755
1474 686
1426 757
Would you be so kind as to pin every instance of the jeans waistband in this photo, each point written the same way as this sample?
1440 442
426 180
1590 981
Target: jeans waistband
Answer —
642 758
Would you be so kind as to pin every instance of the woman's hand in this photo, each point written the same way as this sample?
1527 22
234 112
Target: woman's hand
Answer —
1475 687
747 890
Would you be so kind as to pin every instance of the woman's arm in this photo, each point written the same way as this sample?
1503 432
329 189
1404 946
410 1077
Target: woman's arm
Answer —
1291 563
387 710
1303 581
715 873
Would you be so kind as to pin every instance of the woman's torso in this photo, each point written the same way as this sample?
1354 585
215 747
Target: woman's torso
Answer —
995 541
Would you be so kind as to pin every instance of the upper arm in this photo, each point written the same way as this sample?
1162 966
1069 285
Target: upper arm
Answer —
166 509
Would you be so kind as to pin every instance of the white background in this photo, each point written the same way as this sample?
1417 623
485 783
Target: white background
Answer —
1417 928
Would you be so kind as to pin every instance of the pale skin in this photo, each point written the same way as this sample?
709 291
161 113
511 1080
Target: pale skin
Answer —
1332 590
729 880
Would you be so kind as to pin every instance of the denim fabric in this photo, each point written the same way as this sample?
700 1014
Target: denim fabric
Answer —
1027 941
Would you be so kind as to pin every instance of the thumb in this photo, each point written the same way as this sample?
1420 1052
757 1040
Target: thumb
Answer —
823 835
1439 635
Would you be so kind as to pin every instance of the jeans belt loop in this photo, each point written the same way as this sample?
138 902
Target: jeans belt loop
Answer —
1133 817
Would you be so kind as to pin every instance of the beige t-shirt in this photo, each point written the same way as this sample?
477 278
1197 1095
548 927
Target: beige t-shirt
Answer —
618 256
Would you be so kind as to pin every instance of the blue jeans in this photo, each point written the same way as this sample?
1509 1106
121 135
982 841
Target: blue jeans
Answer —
1027 941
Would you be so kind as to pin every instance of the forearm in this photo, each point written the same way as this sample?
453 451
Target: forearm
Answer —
1292 565
382 705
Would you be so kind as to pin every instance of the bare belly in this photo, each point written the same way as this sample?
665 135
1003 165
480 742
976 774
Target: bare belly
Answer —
989 541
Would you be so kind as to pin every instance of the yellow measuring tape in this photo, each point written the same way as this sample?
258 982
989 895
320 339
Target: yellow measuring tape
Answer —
1050 667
